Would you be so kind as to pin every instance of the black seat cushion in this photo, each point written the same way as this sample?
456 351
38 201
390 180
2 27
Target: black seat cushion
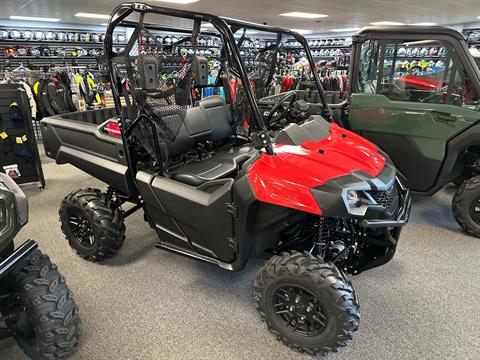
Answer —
223 164
211 121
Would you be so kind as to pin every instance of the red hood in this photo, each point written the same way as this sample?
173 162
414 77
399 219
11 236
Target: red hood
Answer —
286 178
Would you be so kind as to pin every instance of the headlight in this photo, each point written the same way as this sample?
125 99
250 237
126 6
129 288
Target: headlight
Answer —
353 199
355 203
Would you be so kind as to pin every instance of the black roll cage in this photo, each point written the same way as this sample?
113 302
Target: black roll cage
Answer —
224 27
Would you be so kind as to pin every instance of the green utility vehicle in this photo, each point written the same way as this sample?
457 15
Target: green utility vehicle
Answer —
415 92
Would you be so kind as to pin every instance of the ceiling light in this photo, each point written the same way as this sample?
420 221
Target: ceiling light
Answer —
304 15
92 16
34 18
207 25
302 31
386 23
345 30
181 2
425 24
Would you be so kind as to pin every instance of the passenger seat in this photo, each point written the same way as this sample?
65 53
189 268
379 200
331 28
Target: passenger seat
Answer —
210 121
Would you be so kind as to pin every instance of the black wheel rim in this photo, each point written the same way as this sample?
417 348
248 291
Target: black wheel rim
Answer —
81 229
299 310
475 210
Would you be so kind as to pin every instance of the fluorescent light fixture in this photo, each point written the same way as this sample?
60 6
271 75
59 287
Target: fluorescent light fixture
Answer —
346 29
181 2
34 18
92 16
425 24
304 15
207 25
386 23
104 24
302 31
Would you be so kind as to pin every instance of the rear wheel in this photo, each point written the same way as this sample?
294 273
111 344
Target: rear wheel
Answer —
91 227
44 318
306 303
466 206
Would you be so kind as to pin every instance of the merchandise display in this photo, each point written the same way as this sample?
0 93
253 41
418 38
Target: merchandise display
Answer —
232 189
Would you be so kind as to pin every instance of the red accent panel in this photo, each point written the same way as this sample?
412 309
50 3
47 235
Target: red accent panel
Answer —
286 178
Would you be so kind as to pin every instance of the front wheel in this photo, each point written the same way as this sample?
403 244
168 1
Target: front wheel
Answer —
466 206
306 303
45 318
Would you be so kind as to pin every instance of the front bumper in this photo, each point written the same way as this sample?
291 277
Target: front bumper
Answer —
401 216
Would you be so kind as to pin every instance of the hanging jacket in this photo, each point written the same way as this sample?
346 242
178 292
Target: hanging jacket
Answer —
56 96
31 99
65 80
44 100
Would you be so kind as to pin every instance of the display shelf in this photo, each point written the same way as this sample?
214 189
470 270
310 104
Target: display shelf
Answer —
416 57
28 43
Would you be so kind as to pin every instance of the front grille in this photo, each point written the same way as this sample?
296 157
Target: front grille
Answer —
388 199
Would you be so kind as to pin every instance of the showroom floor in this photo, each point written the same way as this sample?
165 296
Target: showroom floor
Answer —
150 304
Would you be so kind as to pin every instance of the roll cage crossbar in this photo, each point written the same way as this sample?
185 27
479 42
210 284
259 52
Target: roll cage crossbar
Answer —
224 27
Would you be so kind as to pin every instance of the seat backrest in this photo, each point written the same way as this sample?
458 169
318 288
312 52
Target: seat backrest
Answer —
211 120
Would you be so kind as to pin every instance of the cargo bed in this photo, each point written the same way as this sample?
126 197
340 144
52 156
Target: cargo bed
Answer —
77 138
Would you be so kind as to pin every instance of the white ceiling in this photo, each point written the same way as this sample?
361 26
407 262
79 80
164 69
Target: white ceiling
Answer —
342 13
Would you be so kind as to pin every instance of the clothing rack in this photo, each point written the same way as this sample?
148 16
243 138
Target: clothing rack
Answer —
19 151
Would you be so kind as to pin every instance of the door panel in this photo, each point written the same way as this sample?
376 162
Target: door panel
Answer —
192 218
414 134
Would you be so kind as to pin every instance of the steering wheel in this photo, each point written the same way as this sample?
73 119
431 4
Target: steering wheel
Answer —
292 95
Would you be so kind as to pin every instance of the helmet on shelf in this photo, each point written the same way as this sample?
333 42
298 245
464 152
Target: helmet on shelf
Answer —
121 38
15 34
46 51
442 51
22 51
60 36
39 35
49 36
424 52
402 52
433 51
409 51
95 38
35 51
72 36
61 52
474 36
9 51
3 34
85 37
415 51
102 37
27 35
92 52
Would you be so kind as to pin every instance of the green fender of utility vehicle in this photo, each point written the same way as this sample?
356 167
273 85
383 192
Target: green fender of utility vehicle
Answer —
415 92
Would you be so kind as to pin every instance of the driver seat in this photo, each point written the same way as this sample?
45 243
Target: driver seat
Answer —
211 122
